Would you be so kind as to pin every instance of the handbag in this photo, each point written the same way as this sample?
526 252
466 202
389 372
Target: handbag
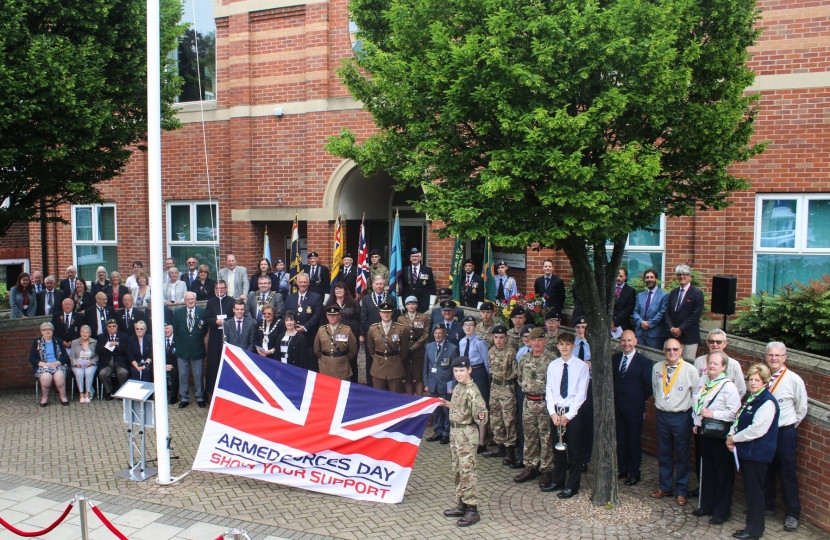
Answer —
714 429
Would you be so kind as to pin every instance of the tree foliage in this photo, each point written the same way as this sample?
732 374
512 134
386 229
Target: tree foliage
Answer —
74 97
561 123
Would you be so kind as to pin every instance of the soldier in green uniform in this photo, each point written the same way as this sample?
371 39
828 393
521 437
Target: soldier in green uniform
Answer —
552 320
514 336
533 373
468 420
485 327
376 269
503 397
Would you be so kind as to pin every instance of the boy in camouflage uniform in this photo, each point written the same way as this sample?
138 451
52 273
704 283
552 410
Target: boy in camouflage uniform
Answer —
514 336
468 420
503 397
538 449
485 328
552 320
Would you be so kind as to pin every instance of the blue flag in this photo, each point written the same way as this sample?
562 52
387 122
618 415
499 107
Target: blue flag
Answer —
395 267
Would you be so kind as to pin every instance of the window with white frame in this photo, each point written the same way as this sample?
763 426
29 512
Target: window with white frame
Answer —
792 239
193 231
94 239
645 249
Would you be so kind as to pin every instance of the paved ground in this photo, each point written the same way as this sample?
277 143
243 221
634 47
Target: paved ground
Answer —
49 455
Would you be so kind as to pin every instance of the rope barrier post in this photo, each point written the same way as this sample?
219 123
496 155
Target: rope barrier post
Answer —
83 502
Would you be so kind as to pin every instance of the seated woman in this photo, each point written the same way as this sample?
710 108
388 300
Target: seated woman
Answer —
49 361
291 344
141 293
22 297
265 338
84 362
203 286
140 353
83 299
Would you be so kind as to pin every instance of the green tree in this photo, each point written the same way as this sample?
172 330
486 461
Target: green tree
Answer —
74 97
557 122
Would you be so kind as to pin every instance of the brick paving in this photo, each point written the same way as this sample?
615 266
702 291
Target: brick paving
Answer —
49 455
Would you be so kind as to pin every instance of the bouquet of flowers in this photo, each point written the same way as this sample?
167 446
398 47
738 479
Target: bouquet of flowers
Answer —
534 309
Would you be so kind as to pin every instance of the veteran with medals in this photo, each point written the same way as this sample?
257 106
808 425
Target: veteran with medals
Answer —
334 345
384 344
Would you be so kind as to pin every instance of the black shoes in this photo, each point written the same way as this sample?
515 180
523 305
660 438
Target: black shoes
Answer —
184 404
435 437
622 475
471 517
567 493
201 404
552 487
509 456
108 396
481 449
700 513
65 403
172 401
694 493
717 521
458 511
632 481
445 439
44 404
741 535
518 464
584 467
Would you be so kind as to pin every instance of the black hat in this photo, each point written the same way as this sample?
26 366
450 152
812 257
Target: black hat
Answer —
386 307
469 261
348 256
579 320
448 304
487 306
414 251
468 318
461 361
552 314
444 292
500 329
374 252
333 309
279 261
526 329
501 263
312 254
518 310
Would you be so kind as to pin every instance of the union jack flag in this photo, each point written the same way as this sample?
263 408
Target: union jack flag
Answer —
362 283
321 433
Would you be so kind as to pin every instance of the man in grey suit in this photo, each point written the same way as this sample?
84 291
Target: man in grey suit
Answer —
264 296
437 374
236 277
650 313
240 329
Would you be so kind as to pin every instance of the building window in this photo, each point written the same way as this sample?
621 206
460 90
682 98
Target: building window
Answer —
95 239
792 240
645 249
199 76
193 232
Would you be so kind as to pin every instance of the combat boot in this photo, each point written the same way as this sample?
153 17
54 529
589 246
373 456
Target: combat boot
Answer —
546 479
458 511
497 451
510 456
470 518
528 474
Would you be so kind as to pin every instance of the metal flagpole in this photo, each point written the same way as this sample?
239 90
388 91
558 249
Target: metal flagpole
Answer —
156 231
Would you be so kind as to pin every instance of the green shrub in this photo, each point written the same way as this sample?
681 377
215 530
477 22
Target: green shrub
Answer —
798 316
4 297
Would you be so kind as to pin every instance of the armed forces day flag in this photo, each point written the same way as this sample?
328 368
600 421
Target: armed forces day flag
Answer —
280 423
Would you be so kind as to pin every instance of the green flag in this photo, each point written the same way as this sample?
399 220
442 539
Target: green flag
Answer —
457 269
487 271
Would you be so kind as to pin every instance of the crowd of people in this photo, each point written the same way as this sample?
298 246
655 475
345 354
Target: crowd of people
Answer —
535 383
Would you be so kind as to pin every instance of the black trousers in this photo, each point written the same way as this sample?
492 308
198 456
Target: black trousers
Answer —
629 450
482 381
569 462
587 410
718 477
368 362
784 464
755 475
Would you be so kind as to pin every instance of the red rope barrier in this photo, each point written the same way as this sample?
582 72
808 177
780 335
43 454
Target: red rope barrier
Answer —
107 523
18 532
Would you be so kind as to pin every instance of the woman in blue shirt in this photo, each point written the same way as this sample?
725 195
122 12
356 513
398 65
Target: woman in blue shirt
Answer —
49 362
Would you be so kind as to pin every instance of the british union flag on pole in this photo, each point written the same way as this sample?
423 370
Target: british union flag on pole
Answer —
283 424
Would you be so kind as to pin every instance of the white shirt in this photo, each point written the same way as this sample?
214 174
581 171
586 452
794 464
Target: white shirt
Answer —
792 399
577 341
733 371
726 401
577 386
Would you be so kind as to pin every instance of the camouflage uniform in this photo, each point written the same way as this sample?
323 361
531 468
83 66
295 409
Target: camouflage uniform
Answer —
550 344
468 411
381 271
486 333
503 396
538 451
514 339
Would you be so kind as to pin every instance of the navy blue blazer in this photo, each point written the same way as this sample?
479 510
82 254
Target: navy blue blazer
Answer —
632 388
624 306
308 318
687 317
134 352
437 380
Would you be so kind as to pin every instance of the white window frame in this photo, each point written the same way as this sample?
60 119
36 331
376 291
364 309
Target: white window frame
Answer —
660 248
93 242
193 241
801 227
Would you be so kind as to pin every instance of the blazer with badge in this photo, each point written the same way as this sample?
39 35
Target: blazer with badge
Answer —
134 350
454 333
245 339
656 315
119 353
57 299
322 279
91 318
633 387
239 278
554 294
438 367
369 312
71 332
350 279
687 317
624 307
472 292
309 314
421 288
273 341
271 297
190 344
333 350
135 316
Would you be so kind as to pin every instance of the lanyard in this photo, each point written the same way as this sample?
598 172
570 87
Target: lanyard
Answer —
668 383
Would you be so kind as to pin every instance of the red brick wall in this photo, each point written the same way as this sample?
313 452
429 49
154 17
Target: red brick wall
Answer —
15 344
15 243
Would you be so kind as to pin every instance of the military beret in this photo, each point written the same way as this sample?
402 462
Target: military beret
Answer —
467 319
500 329
469 261
411 300
579 320
386 307
279 261
374 252
333 309
536 333
414 251
518 310
348 256
501 263
448 304
461 361
487 306
526 329
552 314
313 254
112 321
444 292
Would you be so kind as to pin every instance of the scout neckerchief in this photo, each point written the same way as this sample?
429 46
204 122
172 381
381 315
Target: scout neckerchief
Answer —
775 379
668 382
749 400
706 389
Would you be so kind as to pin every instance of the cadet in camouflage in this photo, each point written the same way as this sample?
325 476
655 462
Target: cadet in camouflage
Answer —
552 320
514 336
503 397
486 326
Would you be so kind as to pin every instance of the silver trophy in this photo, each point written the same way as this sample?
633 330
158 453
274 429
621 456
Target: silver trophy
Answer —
560 429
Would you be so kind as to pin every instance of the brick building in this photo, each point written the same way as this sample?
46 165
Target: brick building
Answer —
278 99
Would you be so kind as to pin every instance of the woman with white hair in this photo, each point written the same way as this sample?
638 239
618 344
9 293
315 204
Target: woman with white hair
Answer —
49 361
101 282
174 290
84 362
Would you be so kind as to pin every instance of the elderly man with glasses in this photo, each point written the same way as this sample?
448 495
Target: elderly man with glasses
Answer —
685 306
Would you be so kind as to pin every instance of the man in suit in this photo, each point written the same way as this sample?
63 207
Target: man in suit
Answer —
240 329
217 310
37 281
189 329
632 387
624 303
650 312
472 288
437 373
49 299
128 316
370 314
235 277
112 356
685 306
172 365
67 323
309 309
551 288
263 296
348 274
68 284
418 281
319 278
192 273
96 317
115 291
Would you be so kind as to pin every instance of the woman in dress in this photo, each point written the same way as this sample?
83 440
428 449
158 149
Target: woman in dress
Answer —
141 293
83 299
49 361
203 286
265 338
84 362
350 316
264 269
290 344
23 298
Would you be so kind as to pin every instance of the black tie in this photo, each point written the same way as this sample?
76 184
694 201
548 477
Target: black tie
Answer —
581 353
547 284
49 302
380 299
239 329
563 385
66 320
624 365
313 271
500 294
127 318
467 348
